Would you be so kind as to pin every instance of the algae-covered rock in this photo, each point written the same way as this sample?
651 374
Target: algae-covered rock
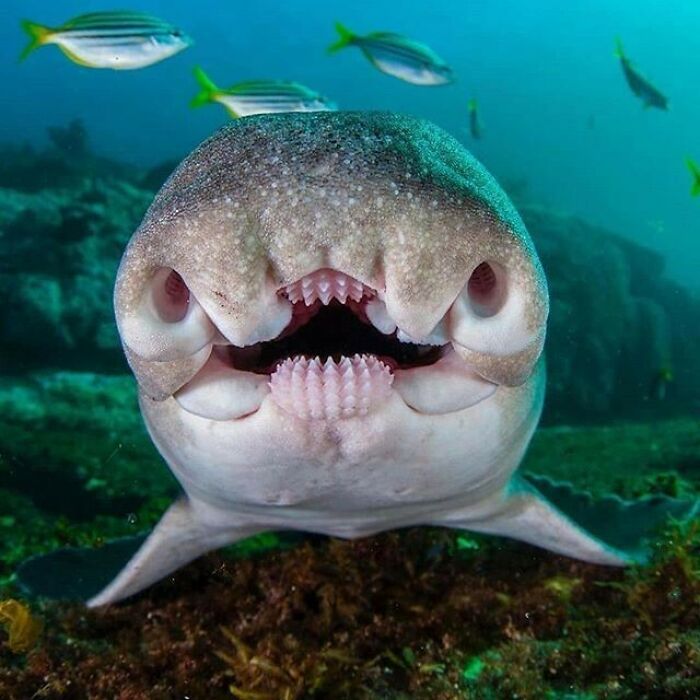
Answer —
75 463
616 323
399 616
59 250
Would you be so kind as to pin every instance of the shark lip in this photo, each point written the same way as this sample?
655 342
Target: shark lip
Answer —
331 362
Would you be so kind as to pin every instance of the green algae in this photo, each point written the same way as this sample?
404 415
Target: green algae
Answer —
629 459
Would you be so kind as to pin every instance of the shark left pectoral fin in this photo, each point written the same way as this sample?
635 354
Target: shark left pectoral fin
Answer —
522 513
179 537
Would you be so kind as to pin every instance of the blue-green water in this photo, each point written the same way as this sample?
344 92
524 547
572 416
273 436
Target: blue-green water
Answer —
555 108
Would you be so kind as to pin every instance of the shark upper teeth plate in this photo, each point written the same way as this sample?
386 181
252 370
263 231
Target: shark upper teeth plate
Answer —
326 285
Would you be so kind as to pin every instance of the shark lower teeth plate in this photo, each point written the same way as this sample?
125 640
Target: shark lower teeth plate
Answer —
313 389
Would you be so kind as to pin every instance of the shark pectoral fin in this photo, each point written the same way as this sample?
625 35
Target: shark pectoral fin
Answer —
178 538
522 513
624 524
75 573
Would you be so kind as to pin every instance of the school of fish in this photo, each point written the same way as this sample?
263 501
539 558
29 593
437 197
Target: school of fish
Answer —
127 40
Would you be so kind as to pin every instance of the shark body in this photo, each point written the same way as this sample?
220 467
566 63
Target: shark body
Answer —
377 243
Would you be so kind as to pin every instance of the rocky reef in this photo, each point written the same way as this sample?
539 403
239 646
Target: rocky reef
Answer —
419 614
622 337
618 328
65 216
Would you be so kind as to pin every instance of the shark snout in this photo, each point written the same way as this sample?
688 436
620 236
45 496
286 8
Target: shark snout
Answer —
336 350
395 252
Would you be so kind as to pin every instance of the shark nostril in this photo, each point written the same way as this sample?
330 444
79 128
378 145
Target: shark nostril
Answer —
168 323
487 289
171 297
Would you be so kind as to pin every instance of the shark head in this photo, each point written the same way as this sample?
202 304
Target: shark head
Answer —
325 274
369 241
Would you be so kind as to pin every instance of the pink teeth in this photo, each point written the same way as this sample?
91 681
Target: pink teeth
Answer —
312 389
326 285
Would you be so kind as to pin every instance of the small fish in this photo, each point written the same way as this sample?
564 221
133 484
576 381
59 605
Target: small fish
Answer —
118 40
659 383
695 173
474 122
397 55
259 97
639 85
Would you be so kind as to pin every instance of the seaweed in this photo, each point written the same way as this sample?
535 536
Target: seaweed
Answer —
410 614
23 628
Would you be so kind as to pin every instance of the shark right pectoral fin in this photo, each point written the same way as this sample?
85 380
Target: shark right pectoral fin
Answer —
628 525
178 538
522 513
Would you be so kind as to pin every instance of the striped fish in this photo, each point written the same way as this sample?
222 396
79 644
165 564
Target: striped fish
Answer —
474 121
119 40
259 97
397 55
695 174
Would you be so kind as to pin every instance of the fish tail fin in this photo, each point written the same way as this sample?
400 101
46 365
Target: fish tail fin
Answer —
695 172
472 105
208 89
619 51
345 38
38 35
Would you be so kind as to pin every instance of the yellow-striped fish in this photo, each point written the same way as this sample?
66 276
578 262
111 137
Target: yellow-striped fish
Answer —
397 55
475 128
695 174
259 97
120 40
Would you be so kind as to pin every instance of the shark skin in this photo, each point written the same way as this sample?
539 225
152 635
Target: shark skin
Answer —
376 242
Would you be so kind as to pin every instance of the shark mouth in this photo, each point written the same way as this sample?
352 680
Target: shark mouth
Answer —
337 358
330 362
331 320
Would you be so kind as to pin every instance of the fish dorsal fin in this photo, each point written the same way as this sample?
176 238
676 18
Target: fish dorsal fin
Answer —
269 87
102 19
389 35
406 43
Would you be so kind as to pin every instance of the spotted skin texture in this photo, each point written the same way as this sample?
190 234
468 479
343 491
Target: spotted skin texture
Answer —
393 202
400 206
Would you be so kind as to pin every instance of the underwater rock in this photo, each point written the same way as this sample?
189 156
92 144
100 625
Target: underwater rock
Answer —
615 319
71 139
75 463
59 250
412 614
